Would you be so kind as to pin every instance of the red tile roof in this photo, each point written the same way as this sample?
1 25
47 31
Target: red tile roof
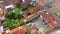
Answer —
31 16
48 17
22 31
18 31
26 11
51 25
36 9
51 21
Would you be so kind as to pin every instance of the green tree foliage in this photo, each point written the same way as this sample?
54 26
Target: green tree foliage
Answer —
28 6
12 19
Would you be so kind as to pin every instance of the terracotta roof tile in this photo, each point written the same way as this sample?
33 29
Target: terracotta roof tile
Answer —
36 9
47 17
18 31
51 21
26 11
31 10
31 16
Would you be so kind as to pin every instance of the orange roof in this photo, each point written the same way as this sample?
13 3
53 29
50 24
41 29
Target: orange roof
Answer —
18 31
26 11
36 9
47 17
51 25
31 10
31 16
52 22
22 31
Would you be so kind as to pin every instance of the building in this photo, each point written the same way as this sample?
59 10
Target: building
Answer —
18 30
51 21
32 12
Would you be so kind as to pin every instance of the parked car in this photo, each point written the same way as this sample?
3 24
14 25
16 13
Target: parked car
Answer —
48 6
44 22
